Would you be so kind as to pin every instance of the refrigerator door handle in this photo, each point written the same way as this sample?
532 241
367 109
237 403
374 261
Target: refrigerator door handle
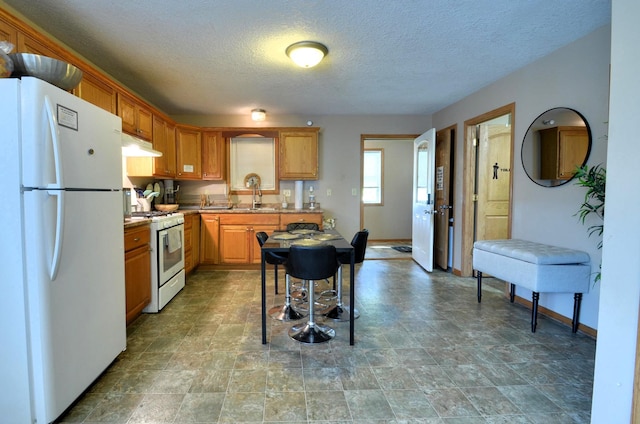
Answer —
55 141
51 120
57 245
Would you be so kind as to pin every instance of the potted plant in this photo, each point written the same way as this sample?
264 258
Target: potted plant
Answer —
594 180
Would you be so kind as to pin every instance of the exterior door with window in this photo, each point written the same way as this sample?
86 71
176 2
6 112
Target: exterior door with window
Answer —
424 154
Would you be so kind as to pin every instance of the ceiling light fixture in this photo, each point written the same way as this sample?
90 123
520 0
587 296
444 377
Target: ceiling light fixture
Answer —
258 114
307 54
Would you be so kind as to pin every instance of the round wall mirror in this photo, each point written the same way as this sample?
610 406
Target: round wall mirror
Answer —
556 143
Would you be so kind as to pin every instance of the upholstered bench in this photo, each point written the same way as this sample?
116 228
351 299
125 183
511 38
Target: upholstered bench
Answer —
538 267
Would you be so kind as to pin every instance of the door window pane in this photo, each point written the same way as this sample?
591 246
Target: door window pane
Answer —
372 189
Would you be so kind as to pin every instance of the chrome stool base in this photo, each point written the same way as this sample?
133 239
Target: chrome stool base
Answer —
285 313
317 333
341 313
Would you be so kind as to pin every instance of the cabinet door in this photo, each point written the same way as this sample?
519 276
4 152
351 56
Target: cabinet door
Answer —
195 239
164 140
256 252
28 44
97 92
189 153
137 270
209 238
299 155
234 244
9 33
127 112
213 156
188 243
137 119
572 151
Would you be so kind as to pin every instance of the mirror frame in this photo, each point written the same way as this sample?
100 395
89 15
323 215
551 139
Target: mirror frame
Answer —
561 116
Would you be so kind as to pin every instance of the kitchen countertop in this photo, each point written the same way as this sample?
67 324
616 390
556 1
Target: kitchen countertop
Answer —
189 210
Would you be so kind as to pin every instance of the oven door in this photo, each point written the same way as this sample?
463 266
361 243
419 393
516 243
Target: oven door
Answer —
170 252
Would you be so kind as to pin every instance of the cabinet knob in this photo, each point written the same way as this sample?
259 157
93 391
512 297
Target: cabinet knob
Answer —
136 239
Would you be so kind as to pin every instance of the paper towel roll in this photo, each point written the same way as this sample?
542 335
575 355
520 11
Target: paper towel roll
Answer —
298 194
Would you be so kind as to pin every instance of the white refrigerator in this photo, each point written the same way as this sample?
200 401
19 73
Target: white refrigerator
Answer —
62 319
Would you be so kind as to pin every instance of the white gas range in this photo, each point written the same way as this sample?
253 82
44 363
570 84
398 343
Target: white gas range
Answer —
167 258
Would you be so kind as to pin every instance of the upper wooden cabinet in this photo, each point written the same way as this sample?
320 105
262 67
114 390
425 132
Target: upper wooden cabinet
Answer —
562 150
28 44
299 154
213 155
189 152
8 33
137 118
164 140
96 91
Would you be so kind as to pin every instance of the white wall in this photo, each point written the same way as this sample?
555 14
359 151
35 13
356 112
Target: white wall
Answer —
620 292
339 154
577 77
383 221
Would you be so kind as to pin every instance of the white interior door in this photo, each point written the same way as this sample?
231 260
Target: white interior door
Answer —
424 160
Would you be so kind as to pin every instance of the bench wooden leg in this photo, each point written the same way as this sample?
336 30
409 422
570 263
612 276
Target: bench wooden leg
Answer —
479 278
577 298
534 312
512 292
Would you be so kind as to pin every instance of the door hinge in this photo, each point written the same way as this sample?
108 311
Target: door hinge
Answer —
474 198
475 142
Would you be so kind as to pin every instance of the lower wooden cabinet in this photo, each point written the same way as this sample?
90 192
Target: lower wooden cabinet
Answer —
209 238
238 243
191 242
230 238
137 270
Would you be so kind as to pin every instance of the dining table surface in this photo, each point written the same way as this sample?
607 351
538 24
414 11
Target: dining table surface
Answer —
281 241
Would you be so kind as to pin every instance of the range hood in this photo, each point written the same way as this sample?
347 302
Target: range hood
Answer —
136 147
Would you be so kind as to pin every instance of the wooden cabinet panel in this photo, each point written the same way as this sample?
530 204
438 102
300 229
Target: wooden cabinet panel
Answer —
164 140
188 152
562 149
28 44
238 243
97 92
209 238
234 246
9 33
191 242
256 252
137 266
213 156
137 119
299 155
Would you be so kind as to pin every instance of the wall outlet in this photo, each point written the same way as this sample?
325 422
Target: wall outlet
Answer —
286 193
328 192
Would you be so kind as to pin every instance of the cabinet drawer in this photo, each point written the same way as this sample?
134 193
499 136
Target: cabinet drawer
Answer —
250 219
136 237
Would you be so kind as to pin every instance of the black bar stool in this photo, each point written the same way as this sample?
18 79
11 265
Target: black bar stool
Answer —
359 242
281 312
310 263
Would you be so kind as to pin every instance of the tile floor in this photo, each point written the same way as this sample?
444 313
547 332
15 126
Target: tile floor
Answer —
425 352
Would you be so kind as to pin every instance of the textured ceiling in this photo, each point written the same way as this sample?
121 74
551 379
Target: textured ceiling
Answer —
217 57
